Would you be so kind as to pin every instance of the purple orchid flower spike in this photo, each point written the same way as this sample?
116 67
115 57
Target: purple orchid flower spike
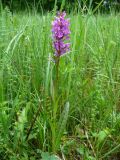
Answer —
61 33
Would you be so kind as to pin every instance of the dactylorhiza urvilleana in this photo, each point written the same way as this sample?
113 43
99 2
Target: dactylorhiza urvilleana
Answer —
61 36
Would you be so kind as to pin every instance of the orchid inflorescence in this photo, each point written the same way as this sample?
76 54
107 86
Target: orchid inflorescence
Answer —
61 33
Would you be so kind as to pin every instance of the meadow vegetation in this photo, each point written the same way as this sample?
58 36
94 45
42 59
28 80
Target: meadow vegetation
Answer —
84 121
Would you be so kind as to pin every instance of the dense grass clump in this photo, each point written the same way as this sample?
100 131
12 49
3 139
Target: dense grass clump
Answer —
84 121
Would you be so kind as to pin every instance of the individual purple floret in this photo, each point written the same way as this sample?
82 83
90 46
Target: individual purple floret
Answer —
60 33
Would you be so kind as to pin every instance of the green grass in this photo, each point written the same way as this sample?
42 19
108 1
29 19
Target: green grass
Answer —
84 120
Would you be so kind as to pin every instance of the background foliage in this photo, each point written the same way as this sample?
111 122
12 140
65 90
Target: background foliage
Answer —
84 123
49 4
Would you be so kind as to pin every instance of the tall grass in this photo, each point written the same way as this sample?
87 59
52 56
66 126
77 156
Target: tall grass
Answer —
83 122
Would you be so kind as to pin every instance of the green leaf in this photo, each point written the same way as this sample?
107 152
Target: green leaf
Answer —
47 156
62 123
81 150
102 135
